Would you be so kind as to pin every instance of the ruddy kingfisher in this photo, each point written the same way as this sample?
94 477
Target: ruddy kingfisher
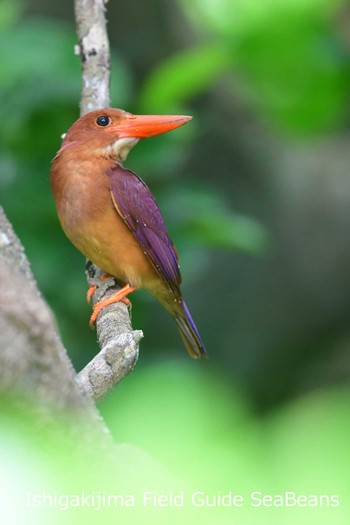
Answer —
111 216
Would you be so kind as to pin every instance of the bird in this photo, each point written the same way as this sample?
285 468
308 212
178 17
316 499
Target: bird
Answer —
110 215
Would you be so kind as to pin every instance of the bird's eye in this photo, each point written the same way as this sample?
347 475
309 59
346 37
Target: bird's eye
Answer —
103 120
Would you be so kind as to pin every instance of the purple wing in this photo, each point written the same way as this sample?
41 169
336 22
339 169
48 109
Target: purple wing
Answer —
138 208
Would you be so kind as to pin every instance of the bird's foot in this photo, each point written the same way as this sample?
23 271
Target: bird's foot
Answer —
127 302
116 297
94 287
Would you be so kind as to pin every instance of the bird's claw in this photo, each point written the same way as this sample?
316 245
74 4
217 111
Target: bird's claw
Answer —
94 287
116 297
91 292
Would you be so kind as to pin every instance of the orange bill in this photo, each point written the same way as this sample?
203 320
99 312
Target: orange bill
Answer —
144 126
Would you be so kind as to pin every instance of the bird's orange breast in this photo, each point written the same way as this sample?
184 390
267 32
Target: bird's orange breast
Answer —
91 222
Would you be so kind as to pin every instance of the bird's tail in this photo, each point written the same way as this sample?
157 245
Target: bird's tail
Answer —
189 333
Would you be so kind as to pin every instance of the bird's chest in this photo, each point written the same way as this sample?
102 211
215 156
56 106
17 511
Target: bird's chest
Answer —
79 202
91 222
82 201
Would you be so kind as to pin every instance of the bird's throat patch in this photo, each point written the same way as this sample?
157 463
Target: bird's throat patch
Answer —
121 147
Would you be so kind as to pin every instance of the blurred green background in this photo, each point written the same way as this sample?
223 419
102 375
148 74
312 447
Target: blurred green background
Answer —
255 193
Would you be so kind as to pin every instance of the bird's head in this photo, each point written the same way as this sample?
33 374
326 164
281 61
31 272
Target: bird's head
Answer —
113 132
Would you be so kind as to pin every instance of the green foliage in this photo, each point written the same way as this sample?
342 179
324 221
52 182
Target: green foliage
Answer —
285 59
181 429
203 217
204 433
182 77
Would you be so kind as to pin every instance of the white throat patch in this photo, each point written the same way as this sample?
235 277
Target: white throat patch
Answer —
120 148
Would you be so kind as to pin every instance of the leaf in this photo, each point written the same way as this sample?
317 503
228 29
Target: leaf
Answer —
182 77
241 17
289 64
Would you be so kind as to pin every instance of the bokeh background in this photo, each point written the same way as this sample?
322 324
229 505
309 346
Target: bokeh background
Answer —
255 193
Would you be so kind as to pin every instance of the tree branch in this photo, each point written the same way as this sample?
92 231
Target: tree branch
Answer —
117 341
94 53
34 366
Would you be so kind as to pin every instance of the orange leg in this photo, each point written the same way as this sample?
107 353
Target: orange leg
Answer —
91 292
127 301
116 297
94 287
